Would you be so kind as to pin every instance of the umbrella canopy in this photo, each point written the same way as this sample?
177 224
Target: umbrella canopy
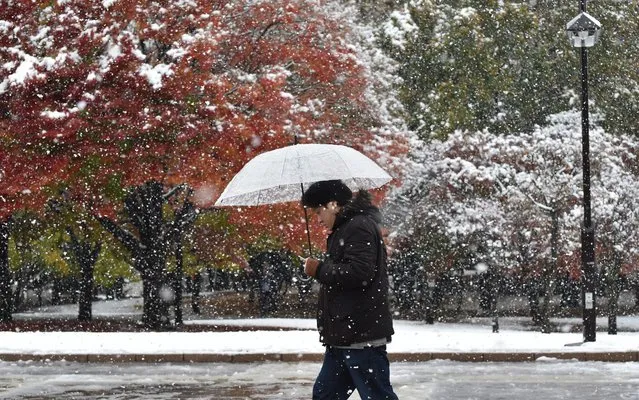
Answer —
277 176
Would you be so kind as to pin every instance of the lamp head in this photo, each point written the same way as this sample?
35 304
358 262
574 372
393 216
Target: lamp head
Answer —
583 30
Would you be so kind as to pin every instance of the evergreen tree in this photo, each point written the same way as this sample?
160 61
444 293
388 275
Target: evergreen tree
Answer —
506 66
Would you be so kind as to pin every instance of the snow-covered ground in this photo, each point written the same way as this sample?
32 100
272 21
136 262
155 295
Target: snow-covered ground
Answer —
547 378
410 337
432 380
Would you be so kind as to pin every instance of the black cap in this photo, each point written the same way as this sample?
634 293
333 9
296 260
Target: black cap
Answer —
323 192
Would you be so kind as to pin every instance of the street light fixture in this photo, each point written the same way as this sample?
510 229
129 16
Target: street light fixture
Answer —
583 31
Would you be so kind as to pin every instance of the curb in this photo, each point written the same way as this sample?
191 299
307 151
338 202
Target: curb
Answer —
621 356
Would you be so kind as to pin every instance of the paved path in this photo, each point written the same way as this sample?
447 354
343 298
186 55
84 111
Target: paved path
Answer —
433 380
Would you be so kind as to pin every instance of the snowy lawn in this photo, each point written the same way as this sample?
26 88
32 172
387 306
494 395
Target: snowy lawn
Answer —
410 337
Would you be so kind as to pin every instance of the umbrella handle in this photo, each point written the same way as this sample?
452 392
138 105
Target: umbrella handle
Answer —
304 278
308 232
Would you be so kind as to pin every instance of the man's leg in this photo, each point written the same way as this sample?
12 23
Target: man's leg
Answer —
334 381
370 371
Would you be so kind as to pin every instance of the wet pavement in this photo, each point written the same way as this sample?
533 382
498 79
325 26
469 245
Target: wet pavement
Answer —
434 380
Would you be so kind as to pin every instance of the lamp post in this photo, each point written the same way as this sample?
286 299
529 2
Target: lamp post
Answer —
583 31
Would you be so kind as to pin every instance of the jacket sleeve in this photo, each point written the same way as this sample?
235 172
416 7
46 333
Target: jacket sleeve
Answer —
357 265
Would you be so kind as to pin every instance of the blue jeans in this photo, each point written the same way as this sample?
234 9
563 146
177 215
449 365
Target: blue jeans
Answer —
345 370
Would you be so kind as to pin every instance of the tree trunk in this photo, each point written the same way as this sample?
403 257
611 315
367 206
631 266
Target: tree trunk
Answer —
39 290
613 295
55 294
533 302
426 299
5 274
184 218
86 255
195 295
144 208
179 273
494 312
85 311
20 280
550 275
612 316
155 311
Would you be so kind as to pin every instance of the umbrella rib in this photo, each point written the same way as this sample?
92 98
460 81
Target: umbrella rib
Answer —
261 192
283 167
284 164
348 168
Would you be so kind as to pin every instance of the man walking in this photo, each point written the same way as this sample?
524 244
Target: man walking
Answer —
353 316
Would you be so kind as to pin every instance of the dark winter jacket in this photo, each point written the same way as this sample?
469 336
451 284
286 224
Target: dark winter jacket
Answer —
353 298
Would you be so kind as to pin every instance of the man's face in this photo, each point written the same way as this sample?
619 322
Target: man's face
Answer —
327 214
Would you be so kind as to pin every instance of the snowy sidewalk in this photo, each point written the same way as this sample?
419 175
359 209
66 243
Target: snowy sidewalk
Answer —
413 341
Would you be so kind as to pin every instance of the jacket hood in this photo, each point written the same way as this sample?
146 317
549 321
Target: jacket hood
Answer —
361 203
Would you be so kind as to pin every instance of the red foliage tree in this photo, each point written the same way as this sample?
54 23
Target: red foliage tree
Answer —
140 96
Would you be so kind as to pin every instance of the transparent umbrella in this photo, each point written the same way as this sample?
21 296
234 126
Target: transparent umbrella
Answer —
280 175
277 176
